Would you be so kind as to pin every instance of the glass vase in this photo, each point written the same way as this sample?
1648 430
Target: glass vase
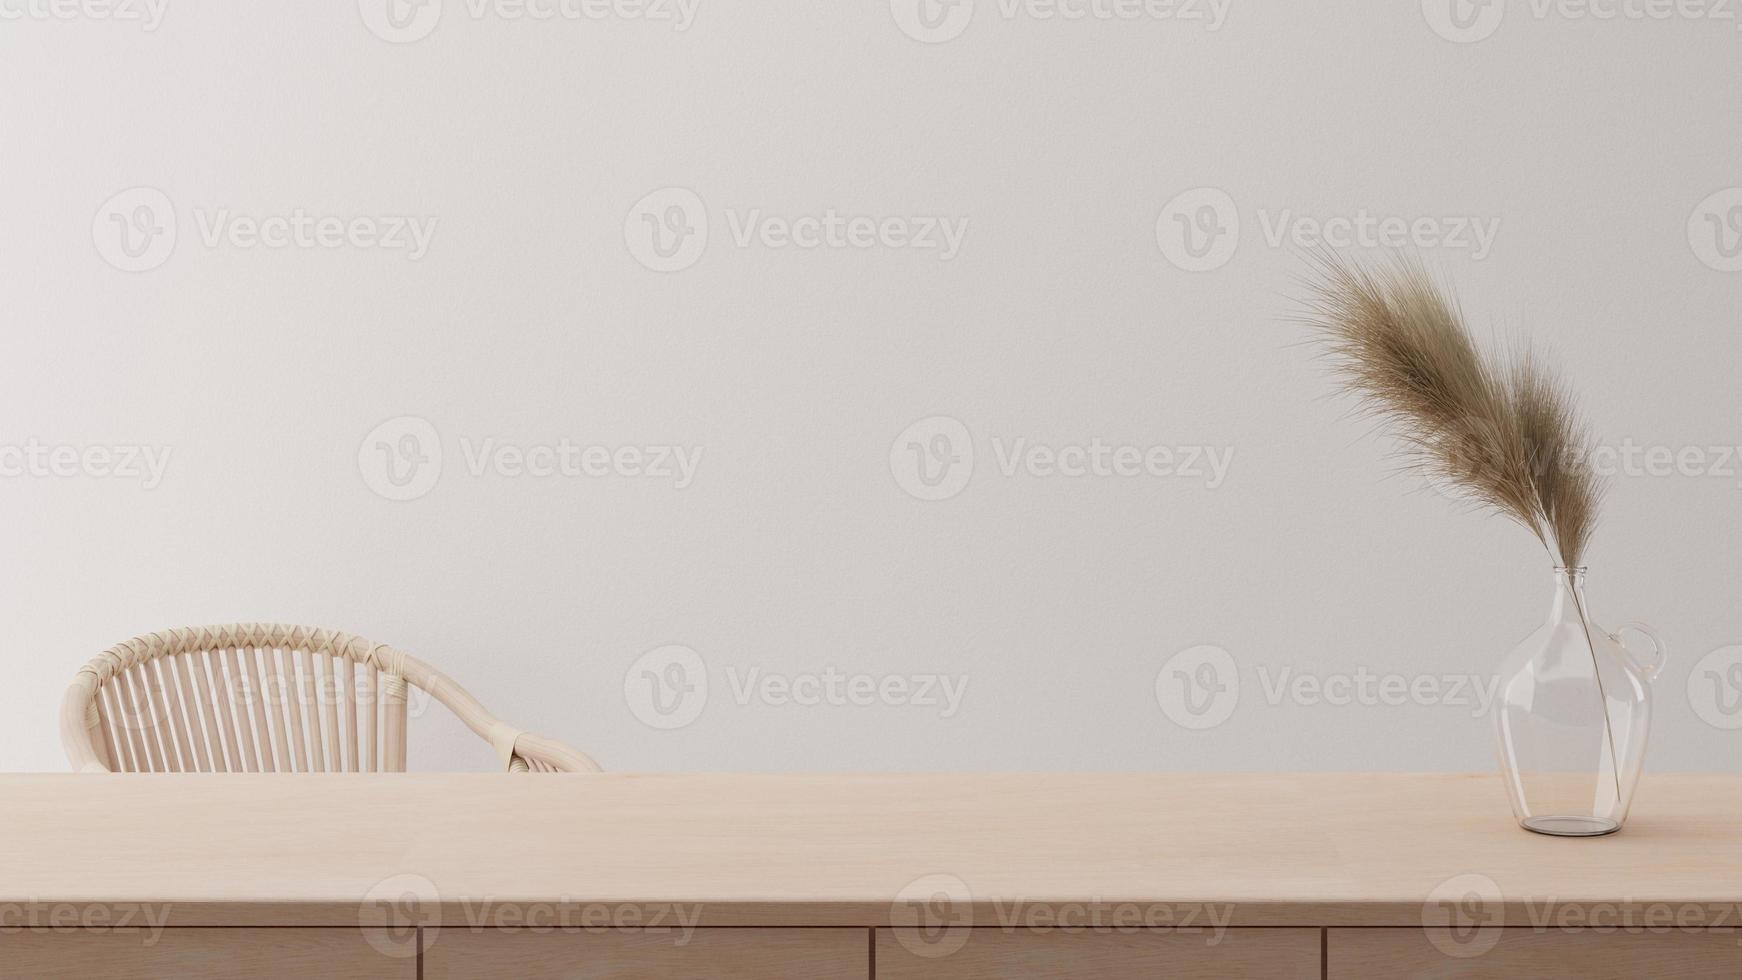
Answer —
1573 711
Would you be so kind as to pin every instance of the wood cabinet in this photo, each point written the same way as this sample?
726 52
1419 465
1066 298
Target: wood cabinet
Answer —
996 954
200 954
860 954
1541 954
837 953
705 954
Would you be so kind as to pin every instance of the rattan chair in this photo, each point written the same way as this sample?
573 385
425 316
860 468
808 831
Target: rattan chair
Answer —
259 697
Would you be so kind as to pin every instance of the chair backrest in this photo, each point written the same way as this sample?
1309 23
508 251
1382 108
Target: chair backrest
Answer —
259 697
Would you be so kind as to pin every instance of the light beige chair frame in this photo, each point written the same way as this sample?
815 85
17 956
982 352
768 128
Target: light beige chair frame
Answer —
261 697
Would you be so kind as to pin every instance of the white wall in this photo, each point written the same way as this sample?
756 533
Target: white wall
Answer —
1586 145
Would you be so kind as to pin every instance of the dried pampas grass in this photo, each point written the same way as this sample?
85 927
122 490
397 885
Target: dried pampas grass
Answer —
1503 430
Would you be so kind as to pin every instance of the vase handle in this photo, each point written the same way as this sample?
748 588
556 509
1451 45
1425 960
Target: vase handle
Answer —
1659 650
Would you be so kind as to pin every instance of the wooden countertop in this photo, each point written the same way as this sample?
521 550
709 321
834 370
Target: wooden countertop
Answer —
1265 850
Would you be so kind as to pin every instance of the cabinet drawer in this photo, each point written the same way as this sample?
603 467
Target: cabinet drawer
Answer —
997 954
708 954
201 954
1584 954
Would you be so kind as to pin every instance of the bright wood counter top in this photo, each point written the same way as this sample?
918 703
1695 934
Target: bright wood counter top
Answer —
1273 850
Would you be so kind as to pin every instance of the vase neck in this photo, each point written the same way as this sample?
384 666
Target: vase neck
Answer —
1569 594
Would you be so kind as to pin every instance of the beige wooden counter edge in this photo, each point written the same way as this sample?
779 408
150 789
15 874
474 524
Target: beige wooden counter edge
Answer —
1008 850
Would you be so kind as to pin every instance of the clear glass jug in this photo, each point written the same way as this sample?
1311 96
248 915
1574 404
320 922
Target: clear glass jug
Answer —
1573 711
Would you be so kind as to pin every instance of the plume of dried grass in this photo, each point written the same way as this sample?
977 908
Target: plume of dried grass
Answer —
1504 430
